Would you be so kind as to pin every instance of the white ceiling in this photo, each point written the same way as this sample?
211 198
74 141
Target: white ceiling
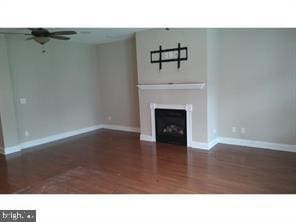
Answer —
90 35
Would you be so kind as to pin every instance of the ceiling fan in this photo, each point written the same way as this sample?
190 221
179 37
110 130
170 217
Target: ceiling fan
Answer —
42 35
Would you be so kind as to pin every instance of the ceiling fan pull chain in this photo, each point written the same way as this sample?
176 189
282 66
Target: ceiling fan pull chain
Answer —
43 49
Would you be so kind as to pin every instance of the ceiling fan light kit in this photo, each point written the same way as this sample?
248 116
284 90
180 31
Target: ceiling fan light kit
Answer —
41 40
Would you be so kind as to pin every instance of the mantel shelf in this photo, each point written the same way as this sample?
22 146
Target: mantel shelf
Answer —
172 86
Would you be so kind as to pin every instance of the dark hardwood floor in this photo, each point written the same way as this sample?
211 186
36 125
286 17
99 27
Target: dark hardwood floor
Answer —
111 162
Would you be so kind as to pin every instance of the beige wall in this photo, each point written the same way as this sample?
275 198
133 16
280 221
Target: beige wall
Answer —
7 106
117 68
61 87
66 87
212 85
1 137
257 83
192 71
250 81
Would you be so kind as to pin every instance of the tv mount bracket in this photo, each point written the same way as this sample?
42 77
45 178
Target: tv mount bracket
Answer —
169 55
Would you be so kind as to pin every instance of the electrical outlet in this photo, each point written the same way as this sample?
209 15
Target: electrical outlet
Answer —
234 129
27 133
243 130
23 101
109 118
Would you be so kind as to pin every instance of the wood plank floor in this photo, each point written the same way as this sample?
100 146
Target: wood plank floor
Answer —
111 162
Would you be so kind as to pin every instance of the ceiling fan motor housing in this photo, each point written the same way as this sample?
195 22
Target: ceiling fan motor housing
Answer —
40 32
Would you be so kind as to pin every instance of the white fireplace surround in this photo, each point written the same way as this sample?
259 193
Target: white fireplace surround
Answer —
189 109
186 107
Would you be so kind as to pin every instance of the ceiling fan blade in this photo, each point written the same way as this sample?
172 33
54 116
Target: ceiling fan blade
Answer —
60 37
36 29
63 33
14 33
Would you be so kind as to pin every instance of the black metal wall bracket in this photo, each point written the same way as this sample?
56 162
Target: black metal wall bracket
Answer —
160 58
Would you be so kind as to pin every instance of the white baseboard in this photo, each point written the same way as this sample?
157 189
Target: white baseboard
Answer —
199 145
121 128
257 144
205 146
194 144
213 143
143 137
59 136
32 143
148 138
11 149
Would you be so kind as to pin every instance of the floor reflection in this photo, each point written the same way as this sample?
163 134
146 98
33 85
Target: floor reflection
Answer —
117 162
4 185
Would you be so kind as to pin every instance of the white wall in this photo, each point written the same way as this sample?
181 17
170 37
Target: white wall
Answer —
7 106
61 87
257 83
117 68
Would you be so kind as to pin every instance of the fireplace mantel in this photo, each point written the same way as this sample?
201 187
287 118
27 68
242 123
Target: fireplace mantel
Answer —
172 86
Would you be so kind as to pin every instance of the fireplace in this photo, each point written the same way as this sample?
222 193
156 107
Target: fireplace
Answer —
170 126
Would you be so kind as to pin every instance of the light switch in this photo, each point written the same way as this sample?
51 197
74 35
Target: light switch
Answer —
23 101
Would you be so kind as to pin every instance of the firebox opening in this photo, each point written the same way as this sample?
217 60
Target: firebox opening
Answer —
171 126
